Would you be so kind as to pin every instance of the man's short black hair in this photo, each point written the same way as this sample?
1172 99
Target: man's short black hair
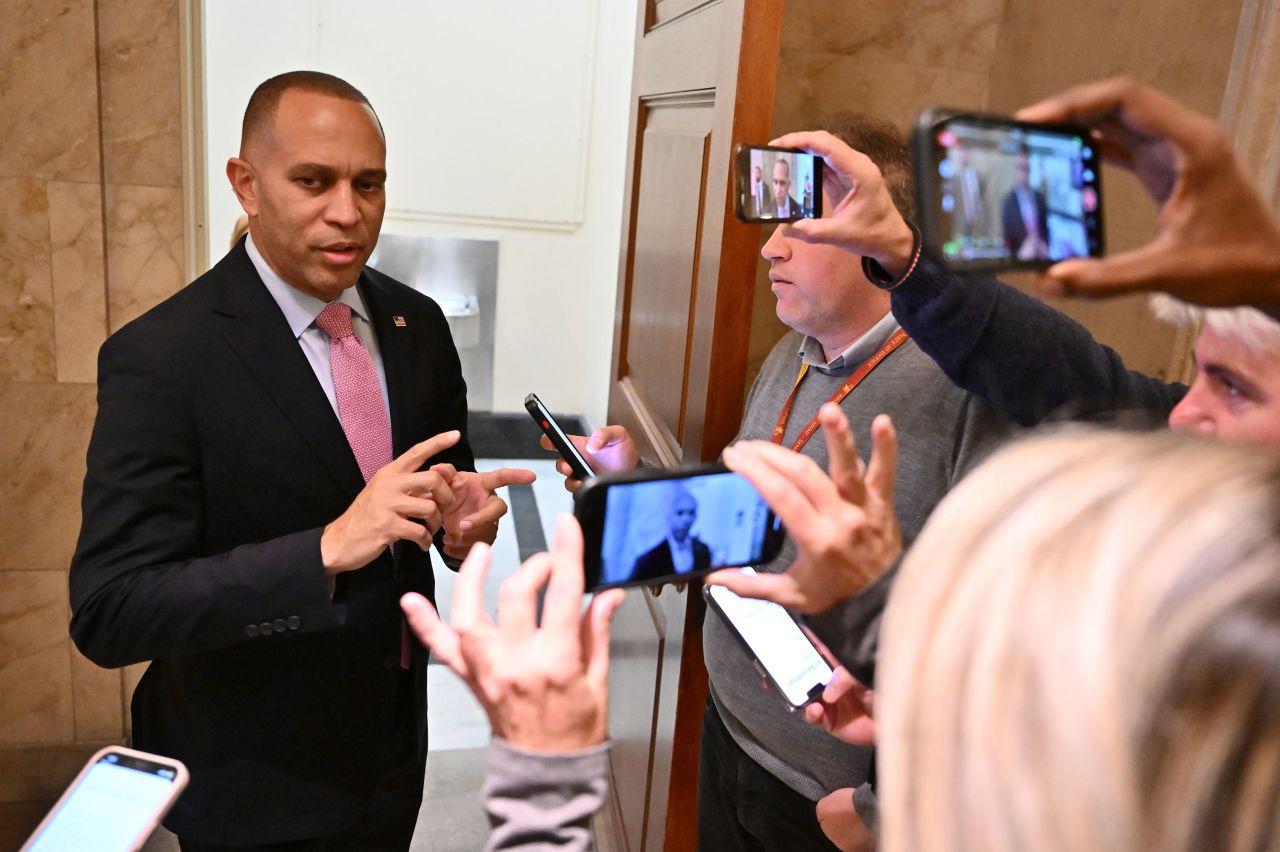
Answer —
266 98
886 145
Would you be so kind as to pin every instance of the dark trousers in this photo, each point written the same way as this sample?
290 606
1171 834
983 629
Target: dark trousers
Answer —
387 824
742 807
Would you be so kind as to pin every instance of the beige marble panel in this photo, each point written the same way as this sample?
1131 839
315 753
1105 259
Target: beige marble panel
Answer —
1182 46
40 772
26 292
955 34
35 658
48 90
79 278
144 249
812 85
141 113
44 432
96 700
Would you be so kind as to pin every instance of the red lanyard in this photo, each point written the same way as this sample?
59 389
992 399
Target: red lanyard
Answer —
899 337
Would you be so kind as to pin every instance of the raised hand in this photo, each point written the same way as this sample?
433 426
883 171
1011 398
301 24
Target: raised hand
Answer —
843 524
385 510
1216 243
544 686
864 220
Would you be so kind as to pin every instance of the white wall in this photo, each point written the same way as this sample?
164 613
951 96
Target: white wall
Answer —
504 121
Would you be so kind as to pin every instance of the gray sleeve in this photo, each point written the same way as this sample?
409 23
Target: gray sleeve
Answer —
543 801
851 628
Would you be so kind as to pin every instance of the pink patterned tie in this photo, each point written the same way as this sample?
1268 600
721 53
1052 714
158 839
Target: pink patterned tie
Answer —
360 408
355 384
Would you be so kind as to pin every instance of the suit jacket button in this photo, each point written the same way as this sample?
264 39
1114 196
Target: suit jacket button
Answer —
278 624
294 622
265 628
391 661
251 630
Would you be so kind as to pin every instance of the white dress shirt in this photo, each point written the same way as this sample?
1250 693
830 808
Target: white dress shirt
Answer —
300 311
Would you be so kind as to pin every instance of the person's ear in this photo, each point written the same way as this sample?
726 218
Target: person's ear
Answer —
244 181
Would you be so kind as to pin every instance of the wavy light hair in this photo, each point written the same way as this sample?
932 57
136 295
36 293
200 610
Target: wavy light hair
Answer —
1082 653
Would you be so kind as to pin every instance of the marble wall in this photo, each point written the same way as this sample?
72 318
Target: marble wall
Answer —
90 236
895 57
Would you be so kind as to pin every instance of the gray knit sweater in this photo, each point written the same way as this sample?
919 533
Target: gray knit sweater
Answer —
942 432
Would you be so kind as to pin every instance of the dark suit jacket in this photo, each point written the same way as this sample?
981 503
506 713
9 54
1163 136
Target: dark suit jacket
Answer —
215 462
1015 230
657 561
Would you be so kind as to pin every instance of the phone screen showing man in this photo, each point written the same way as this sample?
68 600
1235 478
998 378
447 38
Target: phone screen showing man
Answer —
654 530
1016 195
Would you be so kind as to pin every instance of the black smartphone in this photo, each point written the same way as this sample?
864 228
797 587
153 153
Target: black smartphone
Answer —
776 184
114 804
660 526
783 652
995 193
559 439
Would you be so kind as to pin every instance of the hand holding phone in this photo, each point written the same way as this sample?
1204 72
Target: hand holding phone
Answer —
996 193
114 804
559 439
863 219
783 652
776 184
659 526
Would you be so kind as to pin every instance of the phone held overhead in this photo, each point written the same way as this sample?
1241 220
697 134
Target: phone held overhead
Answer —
661 526
995 193
113 805
776 184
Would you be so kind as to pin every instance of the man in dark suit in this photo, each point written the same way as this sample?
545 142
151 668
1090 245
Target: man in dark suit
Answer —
784 206
1025 215
680 552
257 500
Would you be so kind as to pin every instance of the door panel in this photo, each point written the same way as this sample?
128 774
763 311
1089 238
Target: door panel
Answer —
679 361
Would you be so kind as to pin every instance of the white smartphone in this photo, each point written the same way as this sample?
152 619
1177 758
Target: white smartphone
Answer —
783 652
113 805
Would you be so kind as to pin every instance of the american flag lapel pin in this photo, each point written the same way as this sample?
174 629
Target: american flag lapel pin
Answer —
399 321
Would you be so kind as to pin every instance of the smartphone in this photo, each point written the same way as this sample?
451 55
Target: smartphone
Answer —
114 804
783 652
995 193
776 184
663 526
577 461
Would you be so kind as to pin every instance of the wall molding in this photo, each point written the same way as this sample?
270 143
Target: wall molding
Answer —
1250 113
191 85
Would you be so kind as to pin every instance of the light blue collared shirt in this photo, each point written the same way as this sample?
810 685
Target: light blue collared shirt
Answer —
300 311
860 350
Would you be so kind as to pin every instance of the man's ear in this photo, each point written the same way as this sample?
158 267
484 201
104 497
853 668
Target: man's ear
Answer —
244 181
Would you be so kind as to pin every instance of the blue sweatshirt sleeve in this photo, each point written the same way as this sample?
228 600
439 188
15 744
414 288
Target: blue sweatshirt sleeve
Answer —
1028 360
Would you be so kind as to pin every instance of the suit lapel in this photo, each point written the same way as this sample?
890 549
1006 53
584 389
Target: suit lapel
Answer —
257 331
396 344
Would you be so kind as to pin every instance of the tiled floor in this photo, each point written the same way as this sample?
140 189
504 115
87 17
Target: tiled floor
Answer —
452 819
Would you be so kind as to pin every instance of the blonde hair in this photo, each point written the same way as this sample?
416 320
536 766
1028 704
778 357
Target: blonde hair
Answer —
1082 653
1255 330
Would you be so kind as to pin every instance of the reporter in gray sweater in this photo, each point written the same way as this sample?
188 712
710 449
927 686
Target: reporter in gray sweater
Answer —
543 686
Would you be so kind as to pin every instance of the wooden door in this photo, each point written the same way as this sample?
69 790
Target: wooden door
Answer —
704 79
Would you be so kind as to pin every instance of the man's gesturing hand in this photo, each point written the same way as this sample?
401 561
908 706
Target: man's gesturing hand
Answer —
544 687
383 511
473 516
843 525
